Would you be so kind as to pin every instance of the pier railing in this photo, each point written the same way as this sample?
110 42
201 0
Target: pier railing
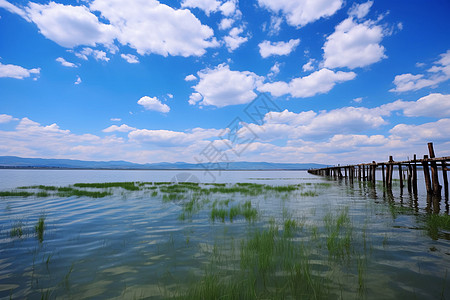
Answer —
366 172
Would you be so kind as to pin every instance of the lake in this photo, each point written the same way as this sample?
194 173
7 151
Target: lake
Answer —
233 234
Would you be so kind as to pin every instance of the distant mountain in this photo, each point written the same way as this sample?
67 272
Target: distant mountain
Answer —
19 162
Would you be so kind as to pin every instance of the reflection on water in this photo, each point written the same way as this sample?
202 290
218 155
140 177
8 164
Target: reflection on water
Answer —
326 238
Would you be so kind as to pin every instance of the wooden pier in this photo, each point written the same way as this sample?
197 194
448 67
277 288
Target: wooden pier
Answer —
407 171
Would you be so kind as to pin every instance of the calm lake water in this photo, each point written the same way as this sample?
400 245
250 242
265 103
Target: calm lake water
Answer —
347 241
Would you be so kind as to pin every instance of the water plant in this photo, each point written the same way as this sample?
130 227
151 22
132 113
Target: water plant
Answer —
17 230
131 186
39 228
15 194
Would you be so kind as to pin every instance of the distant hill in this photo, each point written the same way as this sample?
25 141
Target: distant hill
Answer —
19 162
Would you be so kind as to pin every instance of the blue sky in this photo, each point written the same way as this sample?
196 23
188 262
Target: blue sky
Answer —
147 81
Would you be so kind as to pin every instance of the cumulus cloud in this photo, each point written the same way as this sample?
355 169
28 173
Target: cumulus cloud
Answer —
194 98
439 72
229 8
69 26
274 70
172 138
319 82
354 45
153 103
17 72
233 40
190 77
66 63
309 66
152 27
360 10
299 13
130 58
267 48
434 105
226 23
121 128
4 118
222 87
423 132
208 6
146 26
97 54
78 81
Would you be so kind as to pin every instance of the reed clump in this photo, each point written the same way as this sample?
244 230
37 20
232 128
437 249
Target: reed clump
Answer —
39 228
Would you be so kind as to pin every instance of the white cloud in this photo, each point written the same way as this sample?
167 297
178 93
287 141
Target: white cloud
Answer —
6 118
69 26
13 9
267 48
229 8
423 132
116 119
222 87
226 23
65 63
152 27
171 138
233 40
153 103
309 66
208 6
439 72
121 128
358 100
17 72
190 77
275 25
301 12
194 98
78 81
97 54
319 82
274 70
309 124
144 25
360 10
354 45
170 95
130 58
434 105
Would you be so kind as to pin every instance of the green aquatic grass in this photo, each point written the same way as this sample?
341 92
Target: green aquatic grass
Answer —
130 186
17 230
222 212
339 234
40 187
15 194
309 194
434 224
81 193
39 228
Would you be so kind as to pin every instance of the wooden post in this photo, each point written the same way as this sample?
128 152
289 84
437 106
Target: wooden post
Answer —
444 175
414 176
434 172
345 172
400 174
374 167
363 172
391 170
409 178
426 174
382 173
359 173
